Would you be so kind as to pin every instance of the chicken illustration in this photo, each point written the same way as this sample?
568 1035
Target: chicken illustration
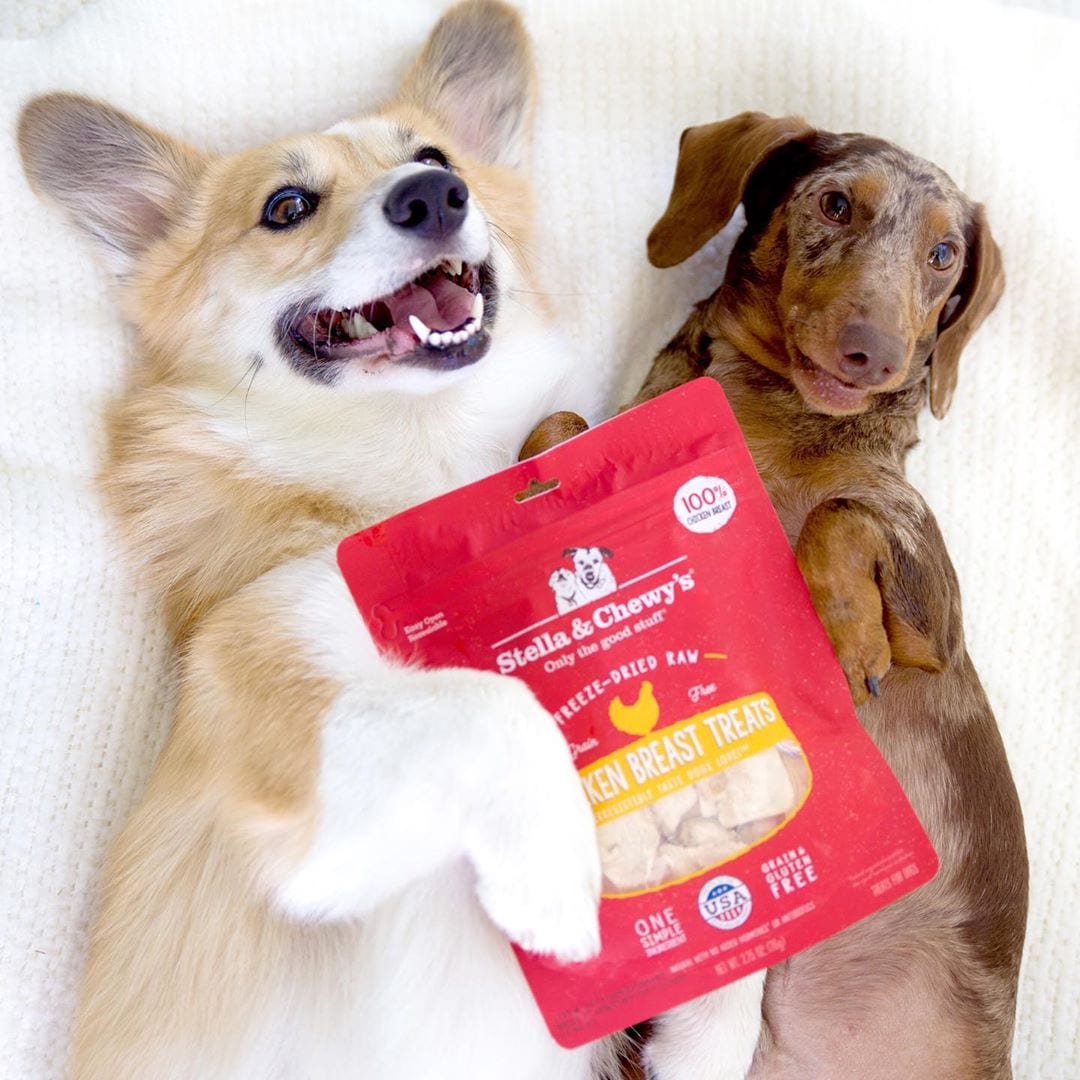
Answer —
639 718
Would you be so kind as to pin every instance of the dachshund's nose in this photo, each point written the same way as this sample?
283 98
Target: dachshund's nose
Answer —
432 203
869 356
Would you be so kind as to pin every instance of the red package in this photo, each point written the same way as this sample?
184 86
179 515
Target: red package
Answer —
638 580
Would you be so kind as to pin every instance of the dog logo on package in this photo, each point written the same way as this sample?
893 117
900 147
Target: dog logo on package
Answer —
589 578
742 812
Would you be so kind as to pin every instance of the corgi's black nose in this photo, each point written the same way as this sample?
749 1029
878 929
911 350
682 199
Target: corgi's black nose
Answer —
432 203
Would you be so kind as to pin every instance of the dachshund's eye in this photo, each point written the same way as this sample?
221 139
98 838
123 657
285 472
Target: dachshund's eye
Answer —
835 206
432 155
288 206
942 255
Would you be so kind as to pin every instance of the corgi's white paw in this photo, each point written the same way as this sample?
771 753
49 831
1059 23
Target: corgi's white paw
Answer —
534 847
711 1038
542 907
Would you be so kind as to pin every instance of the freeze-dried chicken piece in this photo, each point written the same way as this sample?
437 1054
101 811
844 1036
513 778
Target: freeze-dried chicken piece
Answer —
756 787
706 823
671 809
710 791
675 861
750 832
700 831
628 849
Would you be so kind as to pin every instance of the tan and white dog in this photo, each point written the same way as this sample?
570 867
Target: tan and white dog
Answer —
332 851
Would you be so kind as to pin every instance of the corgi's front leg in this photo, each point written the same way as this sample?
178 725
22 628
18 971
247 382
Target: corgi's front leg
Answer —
399 770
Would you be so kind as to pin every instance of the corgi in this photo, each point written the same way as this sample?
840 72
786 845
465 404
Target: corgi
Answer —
333 853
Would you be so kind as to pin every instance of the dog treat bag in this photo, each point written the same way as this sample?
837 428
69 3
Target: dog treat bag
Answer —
637 579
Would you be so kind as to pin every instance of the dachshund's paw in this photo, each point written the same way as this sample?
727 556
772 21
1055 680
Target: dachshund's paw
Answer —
853 620
845 557
863 651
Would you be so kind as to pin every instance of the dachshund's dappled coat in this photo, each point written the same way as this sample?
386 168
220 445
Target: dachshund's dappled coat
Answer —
860 276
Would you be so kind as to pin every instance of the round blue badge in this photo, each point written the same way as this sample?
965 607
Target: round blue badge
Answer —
724 902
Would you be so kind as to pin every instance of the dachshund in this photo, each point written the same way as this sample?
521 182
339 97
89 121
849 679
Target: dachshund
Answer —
860 276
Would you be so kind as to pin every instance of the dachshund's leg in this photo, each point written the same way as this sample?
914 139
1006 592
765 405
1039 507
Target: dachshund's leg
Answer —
870 594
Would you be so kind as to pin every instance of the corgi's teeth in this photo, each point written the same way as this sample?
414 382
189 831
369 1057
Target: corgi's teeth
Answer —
478 308
437 339
472 326
419 328
460 336
358 327
453 266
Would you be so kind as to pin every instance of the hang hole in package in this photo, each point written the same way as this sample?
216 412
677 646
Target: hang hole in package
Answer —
652 603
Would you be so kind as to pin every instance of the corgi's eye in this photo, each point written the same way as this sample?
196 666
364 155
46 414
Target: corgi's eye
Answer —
432 155
288 206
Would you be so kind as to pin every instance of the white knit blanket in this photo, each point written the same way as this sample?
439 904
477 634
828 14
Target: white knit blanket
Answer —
991 92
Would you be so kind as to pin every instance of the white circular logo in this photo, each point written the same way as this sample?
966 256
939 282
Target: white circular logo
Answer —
724 902
704 504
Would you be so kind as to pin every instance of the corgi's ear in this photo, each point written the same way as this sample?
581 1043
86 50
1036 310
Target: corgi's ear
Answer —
476 75
569 553
606 552
118 180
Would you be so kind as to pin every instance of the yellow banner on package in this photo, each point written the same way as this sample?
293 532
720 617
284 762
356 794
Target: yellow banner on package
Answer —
681 754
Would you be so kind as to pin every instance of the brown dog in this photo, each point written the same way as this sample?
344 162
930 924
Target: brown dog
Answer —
860 276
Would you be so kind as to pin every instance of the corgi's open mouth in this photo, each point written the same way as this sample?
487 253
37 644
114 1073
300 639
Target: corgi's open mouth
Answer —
438 320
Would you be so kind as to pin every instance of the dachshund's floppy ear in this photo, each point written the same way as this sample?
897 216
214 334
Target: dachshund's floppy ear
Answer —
979 290
715 162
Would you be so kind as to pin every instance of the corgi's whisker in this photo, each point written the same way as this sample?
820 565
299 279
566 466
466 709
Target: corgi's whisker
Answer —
255 360
256 363
548 292
525 307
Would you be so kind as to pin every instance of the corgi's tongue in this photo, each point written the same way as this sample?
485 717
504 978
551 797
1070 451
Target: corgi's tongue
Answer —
439 304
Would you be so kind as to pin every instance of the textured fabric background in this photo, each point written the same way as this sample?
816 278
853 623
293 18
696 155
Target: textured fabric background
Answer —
987 90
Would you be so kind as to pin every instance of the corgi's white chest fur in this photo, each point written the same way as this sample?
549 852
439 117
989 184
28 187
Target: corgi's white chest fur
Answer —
424 978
